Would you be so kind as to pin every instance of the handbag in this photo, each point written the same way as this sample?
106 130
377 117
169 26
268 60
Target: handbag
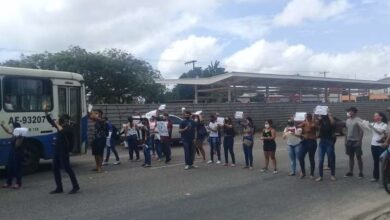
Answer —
248 142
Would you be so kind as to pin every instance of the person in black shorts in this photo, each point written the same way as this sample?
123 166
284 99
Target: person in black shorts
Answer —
269 145
99 142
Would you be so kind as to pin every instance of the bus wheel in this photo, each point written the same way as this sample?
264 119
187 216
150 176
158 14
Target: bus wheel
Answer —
30 159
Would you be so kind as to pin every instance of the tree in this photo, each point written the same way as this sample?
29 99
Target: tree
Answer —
111 76
184 92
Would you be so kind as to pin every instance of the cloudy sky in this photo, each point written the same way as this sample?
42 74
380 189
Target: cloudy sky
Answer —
347 38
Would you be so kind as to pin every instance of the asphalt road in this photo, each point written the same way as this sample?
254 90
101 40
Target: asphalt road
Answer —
128 191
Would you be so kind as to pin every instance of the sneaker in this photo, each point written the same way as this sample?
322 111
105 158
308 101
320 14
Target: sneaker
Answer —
361 176
138 159
104 163
264 170
275 172
333 178
291 174
16 186
232 165
74 190
349 174
56 191
373 180
147 166
225 164
326 168
210 162
6 186
143 165
159 160
251 168
187 167
312 177
319 179
302 176
193 167
218 162
117 162
246 167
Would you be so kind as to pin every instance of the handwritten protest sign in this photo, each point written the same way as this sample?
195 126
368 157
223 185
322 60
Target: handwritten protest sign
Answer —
239 115
300 116
321 110
162 128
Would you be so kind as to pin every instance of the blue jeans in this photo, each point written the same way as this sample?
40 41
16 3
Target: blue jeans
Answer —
188 152
308 146
112 148
14 167
215 146
133 146
293 153
158 147
326 147
376 153
147 149
248 152
228 144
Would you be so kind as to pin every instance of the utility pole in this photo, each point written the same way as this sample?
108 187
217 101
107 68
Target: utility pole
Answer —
324 73
193 63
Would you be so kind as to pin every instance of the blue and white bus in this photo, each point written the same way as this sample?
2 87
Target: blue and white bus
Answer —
23 95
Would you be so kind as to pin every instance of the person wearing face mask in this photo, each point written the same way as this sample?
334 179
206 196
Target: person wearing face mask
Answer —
378 128
15 157
309 144
327 136
228 141
166 137
269 146
353 141
247 143
214 140
201 134
294 140
187 131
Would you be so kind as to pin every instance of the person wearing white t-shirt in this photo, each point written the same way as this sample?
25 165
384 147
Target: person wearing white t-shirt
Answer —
214 139
378 128
293 137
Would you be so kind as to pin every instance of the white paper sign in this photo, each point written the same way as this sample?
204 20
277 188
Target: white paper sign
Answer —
198 112
20 132
151 114
300 116
183 109
162 107
220 120
90 107
321 110
239 115
162 128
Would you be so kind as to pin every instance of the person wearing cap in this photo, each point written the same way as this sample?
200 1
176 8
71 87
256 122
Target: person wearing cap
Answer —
353 141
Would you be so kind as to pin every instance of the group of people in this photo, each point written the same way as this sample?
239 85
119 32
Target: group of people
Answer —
154 136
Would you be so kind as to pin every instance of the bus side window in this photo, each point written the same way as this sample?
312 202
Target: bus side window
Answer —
27 94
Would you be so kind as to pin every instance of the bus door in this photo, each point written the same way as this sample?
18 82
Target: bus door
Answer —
69 102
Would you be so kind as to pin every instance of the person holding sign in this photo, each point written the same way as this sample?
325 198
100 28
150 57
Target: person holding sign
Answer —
15 157
214 139
269 146
187 130
327 127
293 138
164 128
309 144
201 135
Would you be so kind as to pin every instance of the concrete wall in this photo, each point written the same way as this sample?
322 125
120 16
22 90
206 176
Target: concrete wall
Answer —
278 112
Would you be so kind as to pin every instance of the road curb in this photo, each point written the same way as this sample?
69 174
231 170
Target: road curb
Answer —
374 214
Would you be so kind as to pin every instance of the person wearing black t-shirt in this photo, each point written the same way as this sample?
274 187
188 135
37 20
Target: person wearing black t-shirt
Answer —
327 139
62 148
228 141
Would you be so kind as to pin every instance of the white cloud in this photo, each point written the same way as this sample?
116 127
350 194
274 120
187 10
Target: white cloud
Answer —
137 26
297 11
171 63
280 57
